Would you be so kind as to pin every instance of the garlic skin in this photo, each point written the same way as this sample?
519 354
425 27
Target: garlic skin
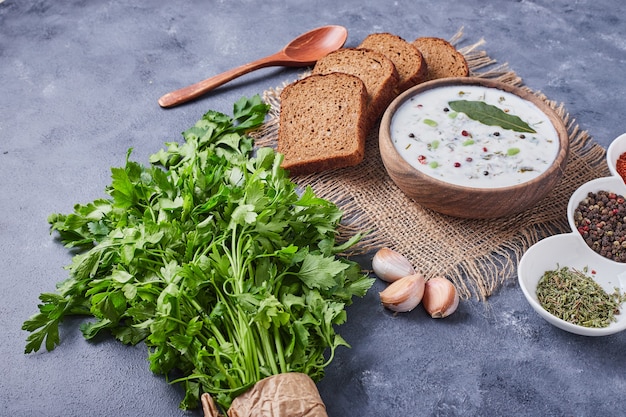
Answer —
404 294
440 297
390 266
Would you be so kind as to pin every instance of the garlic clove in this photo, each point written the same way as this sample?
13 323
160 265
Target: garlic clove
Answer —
404 294
390 265
440 297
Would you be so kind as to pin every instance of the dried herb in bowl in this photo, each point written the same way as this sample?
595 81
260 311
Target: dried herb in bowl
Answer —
575 297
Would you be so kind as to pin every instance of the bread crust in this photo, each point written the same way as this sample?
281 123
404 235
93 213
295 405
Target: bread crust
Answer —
376 70
442 58
409 61
323 123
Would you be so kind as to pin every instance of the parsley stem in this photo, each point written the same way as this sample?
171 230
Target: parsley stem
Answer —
279 350
267 349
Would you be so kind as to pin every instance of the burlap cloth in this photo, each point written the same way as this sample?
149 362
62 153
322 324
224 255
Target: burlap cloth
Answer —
477 255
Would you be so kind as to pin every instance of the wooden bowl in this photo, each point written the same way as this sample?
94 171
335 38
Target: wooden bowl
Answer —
469 201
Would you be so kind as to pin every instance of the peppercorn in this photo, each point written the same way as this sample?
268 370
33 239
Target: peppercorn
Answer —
600 218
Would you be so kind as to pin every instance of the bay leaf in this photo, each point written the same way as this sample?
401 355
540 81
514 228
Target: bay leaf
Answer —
490 115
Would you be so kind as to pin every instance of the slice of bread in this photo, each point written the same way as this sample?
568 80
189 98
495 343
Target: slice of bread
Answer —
376 70
408 60
442 58
322 123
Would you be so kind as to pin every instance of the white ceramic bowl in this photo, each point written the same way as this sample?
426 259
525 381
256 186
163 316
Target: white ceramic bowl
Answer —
571 250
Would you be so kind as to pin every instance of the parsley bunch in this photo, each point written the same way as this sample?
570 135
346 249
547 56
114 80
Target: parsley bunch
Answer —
212 258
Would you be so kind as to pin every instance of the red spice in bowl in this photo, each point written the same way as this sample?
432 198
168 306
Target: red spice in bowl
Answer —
616 157
620 166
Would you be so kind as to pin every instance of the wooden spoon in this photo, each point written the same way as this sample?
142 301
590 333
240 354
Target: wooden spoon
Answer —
304 50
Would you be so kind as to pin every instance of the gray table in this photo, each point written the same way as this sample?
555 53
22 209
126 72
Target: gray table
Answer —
79 83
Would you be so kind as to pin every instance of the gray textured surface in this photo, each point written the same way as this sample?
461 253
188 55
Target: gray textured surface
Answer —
79 83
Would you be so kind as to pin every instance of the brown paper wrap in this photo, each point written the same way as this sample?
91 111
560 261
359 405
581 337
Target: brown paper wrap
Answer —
284 395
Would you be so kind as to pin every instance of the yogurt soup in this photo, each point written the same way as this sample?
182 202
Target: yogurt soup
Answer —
450 146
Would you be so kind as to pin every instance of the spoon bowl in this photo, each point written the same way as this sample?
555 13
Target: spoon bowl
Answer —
304 50
307 48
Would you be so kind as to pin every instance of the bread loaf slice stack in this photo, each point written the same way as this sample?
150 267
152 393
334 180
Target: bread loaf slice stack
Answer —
375 70
408 60
443 60
325 117
323 123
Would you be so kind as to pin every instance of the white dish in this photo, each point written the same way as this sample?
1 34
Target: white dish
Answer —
570 250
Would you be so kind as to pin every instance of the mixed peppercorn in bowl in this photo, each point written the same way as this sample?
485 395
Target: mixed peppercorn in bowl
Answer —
597 211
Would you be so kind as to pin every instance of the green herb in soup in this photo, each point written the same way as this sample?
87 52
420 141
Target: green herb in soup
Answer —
484 137
490 115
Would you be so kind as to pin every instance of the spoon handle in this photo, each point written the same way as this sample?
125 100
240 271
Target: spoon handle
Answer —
190 92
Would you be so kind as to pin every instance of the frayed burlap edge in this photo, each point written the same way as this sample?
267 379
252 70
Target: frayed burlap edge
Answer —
477 255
